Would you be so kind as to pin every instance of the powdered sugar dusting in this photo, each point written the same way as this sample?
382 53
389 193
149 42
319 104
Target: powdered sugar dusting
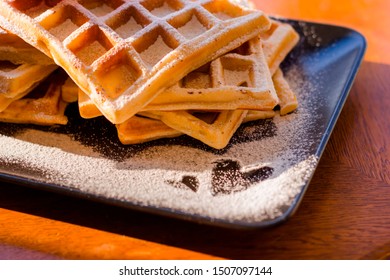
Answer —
155 52
37 10
64 29
253 181
236 77
101 10
163 10
129 28
91 52
192 28
6 66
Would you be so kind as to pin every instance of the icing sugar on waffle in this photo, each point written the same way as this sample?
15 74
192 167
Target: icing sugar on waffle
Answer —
224 87
94 51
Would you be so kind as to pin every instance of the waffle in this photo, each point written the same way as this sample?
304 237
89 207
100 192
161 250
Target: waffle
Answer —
18 80
288 100
123 53
278 41
216 128
21 68
87 108
212 128
69 91
141 129
245 3
148 127
42 106
206 88
15 50
215 87
237 80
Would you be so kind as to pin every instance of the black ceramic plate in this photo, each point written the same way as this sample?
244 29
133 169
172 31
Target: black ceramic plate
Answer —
257 181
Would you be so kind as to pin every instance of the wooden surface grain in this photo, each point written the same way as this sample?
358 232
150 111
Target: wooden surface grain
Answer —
345 213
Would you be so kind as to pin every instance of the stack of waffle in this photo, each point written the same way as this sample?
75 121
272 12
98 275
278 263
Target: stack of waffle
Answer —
153 68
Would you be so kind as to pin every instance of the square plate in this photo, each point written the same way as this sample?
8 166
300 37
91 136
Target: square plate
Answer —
257 181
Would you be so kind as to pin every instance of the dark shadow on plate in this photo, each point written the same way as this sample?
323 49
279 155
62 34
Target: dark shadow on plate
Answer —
101 135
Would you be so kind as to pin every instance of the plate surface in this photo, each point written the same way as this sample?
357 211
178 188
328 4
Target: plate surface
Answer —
257 181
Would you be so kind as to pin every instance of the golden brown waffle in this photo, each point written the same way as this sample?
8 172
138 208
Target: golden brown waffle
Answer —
217 130
15 50
21 68
209 87
92 111
212 128
6 101
139 129
206 88
123 53
142 129
237 80
244 3
69 91
288 100
258 115
42 106
15 79
87 108
278 41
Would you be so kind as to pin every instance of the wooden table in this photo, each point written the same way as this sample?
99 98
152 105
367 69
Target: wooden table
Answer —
345 213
